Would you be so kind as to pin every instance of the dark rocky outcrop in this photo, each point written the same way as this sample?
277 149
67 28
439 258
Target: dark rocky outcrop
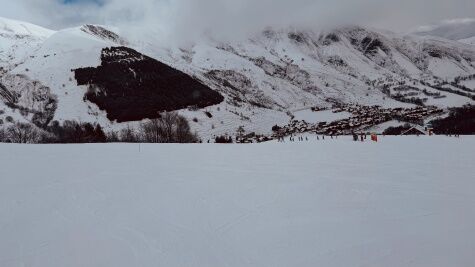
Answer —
103 33
130 86
330 39
372 45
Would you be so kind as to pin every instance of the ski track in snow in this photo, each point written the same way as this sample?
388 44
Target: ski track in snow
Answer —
405 201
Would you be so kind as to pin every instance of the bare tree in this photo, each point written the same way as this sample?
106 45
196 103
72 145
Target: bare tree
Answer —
128 135
183 132
112 137
3 135
240 131
23 133
151 131
168 122
169 128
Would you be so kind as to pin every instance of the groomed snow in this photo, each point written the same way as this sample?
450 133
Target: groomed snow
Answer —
405 201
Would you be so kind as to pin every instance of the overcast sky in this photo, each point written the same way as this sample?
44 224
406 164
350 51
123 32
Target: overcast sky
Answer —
236 15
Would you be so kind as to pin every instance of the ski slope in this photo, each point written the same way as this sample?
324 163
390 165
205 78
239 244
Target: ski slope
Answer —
405 201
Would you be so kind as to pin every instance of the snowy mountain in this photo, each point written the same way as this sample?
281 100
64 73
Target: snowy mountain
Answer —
457 29
470 40
18 40
264 79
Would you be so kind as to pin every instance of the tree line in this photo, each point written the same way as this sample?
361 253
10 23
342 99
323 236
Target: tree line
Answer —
460 121
169 127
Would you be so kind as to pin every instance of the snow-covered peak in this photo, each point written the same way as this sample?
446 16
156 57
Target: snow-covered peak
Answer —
19 28
103 33
18 41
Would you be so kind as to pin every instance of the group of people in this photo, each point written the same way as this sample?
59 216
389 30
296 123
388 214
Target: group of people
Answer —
281 139
300 138
362 137
294 138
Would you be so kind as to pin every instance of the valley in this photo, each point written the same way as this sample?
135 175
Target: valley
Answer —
223 85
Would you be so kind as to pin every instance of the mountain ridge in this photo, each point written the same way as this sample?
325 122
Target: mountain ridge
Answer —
457 29
268 76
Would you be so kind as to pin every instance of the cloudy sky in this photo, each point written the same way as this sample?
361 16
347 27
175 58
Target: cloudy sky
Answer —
236 15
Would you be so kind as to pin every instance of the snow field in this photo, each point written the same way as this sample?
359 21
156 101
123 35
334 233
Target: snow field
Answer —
405 201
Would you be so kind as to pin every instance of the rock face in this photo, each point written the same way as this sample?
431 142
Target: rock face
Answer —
103 33
34 100
130 86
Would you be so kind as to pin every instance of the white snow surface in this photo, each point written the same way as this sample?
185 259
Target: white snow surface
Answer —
19 40
405 201
469 83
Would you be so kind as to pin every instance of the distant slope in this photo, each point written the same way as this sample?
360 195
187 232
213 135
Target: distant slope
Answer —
289 69
470 41
18 40
20 28
457 29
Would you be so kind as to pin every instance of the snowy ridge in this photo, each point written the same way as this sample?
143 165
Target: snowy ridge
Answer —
18 40
20 28
263 78
289 70
103 33
470 40
456 29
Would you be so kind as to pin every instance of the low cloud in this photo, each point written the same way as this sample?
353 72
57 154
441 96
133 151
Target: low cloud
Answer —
178 18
